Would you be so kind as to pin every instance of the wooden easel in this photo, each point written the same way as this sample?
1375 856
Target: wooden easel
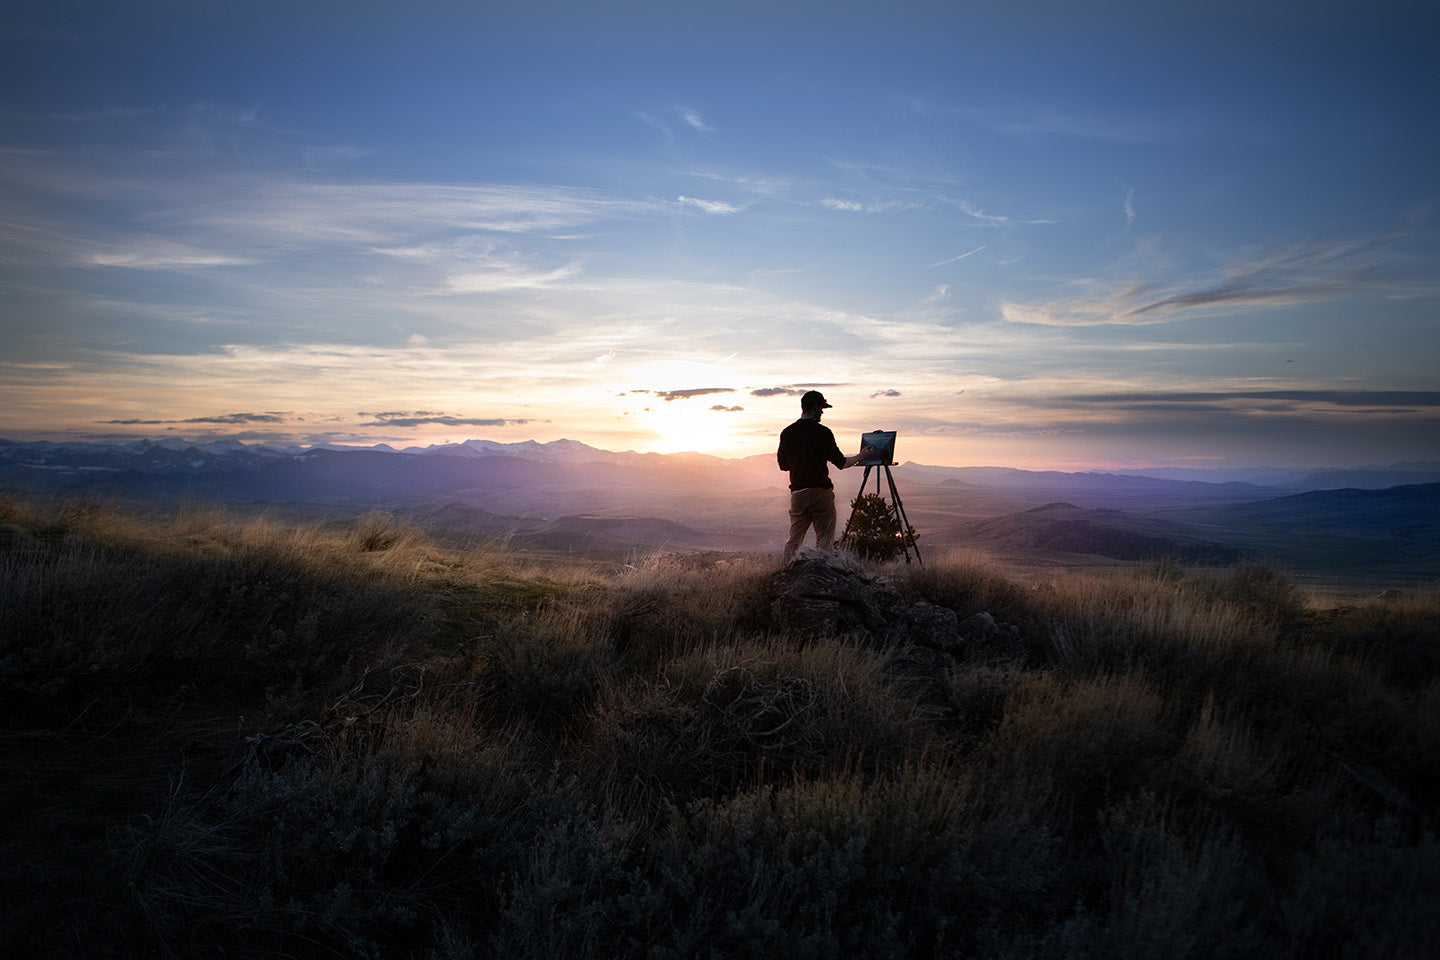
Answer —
897 510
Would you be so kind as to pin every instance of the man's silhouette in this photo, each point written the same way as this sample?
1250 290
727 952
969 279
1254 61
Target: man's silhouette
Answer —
805 448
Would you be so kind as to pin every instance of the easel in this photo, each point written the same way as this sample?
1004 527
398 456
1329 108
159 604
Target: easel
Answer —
897 510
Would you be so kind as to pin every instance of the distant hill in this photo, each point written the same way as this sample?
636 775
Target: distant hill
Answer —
568 495
1334 529
579 532
1371 478
1090 488
1066 528
1409 513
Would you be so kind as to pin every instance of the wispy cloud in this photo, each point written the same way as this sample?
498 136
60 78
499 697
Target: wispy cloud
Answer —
1339 398
227 419
686 116
658 123
159 253
493 278
1309 274
392 420
688 394
974 212
918 199
967 253
708 206
693 120
1020 119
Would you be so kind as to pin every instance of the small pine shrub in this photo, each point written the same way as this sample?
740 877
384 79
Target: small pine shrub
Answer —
873 531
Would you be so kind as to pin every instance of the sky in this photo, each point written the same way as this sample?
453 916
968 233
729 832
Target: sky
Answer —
1069 235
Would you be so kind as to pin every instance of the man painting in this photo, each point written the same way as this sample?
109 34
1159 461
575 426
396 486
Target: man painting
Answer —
805 448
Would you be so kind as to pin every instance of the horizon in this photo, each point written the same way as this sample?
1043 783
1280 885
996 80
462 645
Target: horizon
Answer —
1111 236
182 443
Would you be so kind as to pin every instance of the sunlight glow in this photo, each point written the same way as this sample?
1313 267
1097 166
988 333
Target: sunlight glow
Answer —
683 427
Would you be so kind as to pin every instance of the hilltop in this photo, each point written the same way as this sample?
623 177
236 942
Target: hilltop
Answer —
234 735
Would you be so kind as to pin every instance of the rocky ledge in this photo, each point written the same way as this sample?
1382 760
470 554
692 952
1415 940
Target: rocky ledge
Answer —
833 594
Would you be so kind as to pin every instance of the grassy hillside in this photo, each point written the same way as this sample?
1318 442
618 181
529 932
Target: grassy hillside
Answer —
240 737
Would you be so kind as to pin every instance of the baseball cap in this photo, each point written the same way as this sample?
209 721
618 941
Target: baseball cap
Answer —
813 400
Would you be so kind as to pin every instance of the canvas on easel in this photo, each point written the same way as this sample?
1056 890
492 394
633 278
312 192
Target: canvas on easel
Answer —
884 443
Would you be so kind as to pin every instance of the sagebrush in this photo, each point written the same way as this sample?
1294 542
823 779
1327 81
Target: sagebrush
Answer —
236 736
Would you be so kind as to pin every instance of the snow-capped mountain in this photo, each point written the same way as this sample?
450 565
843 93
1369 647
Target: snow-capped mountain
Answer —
555 451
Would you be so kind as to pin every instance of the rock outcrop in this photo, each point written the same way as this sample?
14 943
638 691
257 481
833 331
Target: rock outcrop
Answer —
832 594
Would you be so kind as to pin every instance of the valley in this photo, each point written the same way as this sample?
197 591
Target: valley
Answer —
571 498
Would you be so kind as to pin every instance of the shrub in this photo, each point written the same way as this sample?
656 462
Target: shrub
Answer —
1259 590
378 530
1091 740
665 607
543 671
724 717
357 846
900 867
873 531
82 618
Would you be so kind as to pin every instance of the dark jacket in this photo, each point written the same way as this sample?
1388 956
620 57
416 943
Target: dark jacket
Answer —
805 447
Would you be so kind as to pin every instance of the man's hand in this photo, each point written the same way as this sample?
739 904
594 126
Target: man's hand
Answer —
866 452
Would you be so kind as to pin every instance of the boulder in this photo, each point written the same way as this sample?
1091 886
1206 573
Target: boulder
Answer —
927 625
833 594
981 626
827 593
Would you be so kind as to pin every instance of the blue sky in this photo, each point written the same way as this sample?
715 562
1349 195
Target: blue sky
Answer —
1032 234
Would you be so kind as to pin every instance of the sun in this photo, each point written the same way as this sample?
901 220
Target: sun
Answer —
678 427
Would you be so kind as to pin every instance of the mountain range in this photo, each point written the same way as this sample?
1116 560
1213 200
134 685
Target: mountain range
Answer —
568 495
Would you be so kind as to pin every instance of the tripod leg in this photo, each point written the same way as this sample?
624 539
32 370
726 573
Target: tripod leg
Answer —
903 520
863 480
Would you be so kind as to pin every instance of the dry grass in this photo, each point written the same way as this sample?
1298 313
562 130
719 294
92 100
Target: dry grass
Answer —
235 735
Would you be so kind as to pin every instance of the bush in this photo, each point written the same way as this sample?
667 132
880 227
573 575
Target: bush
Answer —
828 868
358 846
873 531
722 718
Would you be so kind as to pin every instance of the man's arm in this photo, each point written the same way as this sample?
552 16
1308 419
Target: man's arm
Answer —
865 453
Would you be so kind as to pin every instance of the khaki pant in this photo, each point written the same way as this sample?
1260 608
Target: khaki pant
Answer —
813 507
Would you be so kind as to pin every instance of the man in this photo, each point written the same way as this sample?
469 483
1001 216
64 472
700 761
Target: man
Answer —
805 448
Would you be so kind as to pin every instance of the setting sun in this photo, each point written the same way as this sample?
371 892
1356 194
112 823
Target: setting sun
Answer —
681 428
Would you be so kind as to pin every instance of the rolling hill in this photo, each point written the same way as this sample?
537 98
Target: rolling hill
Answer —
569 496
1063 528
